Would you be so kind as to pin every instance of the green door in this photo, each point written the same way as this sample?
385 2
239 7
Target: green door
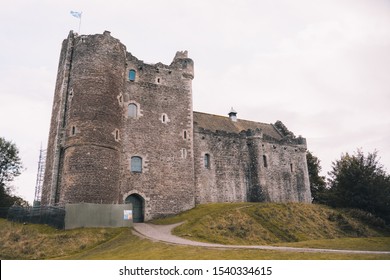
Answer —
138 207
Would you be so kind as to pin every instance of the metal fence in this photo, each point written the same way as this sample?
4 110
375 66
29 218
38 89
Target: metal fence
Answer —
98 215
72 215
4 212
49 215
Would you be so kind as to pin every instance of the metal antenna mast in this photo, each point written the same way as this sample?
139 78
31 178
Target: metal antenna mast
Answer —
40 175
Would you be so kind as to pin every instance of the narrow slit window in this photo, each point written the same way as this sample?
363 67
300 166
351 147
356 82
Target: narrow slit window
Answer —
184 153
185 134
207 161
164 118
117 134
265 161
132 110
291 167
132 75
136 164
73 132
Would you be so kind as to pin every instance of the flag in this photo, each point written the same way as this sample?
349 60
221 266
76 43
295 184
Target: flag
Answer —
76 14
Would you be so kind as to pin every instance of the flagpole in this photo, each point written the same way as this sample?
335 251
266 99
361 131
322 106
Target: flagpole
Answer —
81 13
77 15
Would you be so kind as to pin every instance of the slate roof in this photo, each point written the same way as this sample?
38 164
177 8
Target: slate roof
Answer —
215 122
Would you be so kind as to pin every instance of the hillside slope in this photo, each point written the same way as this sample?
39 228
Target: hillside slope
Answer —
269 223
298 225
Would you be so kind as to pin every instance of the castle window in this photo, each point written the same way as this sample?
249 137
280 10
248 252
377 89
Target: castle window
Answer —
136 164
207 161
116 134
164 118
183 153
132 75
73 130
265 161
132 110
185 134
291 167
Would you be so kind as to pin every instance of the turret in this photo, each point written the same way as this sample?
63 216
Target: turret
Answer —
232 115
87 164
185 64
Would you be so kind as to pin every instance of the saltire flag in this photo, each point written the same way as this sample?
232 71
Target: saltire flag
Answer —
76 14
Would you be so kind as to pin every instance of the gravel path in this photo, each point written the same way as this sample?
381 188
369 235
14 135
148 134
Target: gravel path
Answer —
163 233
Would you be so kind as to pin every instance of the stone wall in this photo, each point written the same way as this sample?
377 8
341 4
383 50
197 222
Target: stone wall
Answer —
160 133
286 176
84 152
56 132
248 167
226 178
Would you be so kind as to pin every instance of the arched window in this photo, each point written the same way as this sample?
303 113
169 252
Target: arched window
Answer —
132 110
207 161
132 75
136 164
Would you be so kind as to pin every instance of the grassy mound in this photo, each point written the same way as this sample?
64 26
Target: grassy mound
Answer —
270 223
292 224
31 241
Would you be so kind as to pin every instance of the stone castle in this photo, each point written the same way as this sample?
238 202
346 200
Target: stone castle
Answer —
123 131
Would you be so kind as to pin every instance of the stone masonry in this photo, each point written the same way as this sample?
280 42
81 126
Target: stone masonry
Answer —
123 131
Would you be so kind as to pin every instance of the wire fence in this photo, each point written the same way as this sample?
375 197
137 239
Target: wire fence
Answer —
4 212
49 215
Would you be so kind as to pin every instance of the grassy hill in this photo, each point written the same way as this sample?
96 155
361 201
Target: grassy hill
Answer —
291 224
269 223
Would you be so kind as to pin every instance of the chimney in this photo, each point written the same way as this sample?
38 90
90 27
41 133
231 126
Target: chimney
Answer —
233 115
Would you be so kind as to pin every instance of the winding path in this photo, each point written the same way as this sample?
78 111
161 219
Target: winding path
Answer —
164 233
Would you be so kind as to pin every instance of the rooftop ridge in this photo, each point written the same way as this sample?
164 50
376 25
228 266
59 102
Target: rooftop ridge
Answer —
227 117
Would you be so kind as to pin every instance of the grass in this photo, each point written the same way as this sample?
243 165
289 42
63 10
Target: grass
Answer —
358 244
128 246
291 224
270 223
19 241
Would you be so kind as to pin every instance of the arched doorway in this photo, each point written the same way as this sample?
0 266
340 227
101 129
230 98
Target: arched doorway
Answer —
138 207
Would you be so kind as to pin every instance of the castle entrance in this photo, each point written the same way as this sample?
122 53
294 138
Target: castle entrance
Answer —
138 207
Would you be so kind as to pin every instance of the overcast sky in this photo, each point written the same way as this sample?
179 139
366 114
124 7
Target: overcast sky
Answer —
321 67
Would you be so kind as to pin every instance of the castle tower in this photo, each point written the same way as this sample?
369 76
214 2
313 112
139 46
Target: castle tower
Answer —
157 162
83 155
121 129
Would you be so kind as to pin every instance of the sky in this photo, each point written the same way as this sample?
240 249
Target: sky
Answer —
321 67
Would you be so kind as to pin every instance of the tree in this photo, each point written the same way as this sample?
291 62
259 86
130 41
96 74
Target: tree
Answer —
10 167
317 182
360 181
